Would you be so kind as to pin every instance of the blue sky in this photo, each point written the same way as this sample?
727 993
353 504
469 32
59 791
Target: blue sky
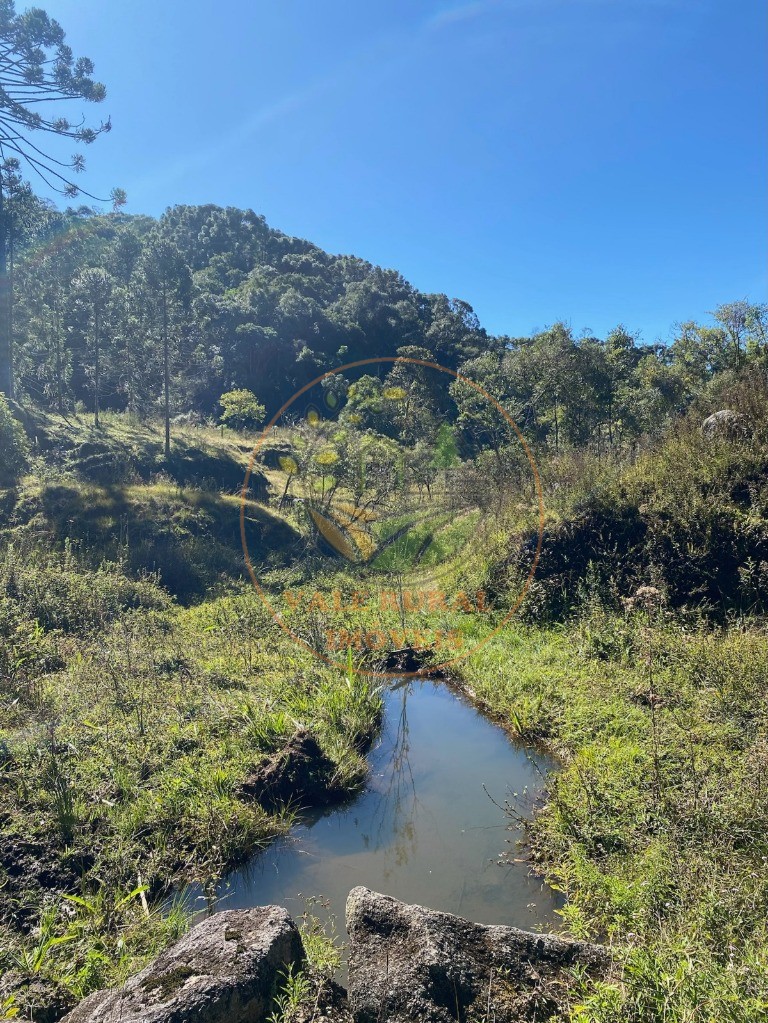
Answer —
595 161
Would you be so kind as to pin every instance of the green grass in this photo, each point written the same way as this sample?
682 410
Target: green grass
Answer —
189 537
112 493
432 541
127 725
656 828
125 448
129 721
141 683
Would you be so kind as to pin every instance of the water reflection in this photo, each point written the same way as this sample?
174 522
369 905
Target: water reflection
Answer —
424 830
398 804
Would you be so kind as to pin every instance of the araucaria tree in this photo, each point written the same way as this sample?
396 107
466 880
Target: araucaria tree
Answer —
94 289
163 285
37 71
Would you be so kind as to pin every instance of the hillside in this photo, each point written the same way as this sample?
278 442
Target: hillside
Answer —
235 304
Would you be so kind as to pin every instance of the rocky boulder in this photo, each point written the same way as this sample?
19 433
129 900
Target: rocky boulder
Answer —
226 970
409 964
727 424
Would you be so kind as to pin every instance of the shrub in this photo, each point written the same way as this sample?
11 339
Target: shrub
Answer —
241 410
53 586
13 445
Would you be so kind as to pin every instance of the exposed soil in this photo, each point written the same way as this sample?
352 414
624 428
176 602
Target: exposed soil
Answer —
299 772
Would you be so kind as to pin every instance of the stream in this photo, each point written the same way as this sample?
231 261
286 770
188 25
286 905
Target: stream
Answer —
426 829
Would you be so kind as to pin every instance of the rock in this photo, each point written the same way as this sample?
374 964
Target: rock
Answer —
226 970
409 964
726 423
299 771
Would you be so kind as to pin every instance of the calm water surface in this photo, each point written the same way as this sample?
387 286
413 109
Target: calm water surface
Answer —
425 830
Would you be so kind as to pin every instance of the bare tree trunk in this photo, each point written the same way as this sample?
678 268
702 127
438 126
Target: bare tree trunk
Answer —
97 341
6 345
167 377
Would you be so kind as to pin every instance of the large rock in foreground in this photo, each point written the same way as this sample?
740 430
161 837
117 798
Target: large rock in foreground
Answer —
226 970
410 964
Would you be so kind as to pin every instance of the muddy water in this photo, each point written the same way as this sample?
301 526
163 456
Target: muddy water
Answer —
426 829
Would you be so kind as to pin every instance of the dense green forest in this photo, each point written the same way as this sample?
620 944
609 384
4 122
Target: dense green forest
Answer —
101 300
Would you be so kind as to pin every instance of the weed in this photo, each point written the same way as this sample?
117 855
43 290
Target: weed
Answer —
321 941
8 1008
31 960
296 991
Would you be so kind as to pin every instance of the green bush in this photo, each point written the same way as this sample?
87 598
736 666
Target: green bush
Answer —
13 445
26 654
241 410
53 586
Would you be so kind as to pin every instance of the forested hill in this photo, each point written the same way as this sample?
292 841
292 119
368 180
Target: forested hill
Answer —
248 307
101 299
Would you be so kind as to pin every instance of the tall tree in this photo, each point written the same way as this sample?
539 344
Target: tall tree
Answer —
52 249
477 418
164 278
27 217
734 318
551 355
95 288
620 356
10 199
37 69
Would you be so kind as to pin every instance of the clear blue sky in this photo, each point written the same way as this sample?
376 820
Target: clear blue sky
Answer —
589 160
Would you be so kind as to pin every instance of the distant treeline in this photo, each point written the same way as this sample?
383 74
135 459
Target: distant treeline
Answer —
131 313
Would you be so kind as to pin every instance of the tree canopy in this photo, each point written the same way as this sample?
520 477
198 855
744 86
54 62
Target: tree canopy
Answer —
37 71
206 301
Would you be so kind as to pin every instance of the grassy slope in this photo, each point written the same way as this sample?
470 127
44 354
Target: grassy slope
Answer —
128 721
112 493
657 825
